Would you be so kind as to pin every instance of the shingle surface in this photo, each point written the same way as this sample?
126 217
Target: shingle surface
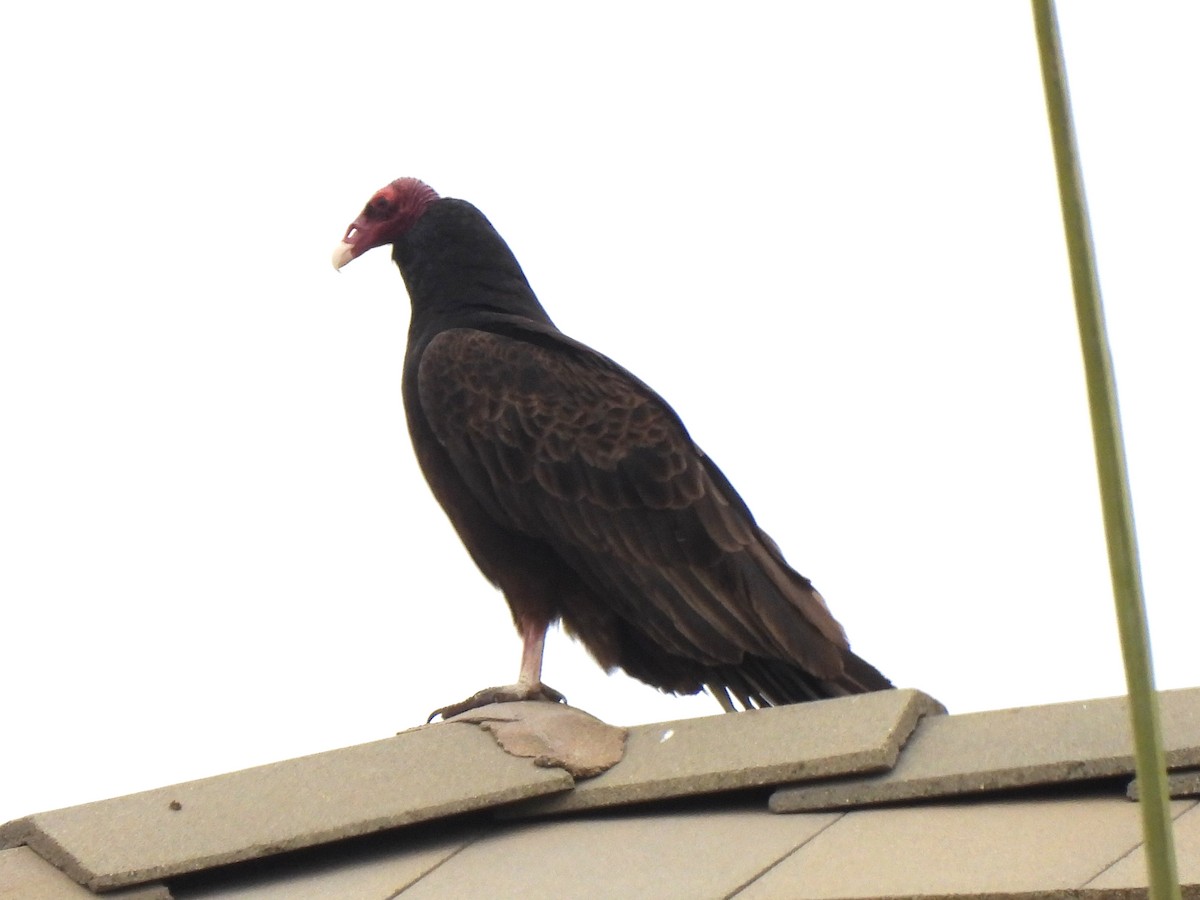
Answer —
953 755
26 876
1183 783
691 855
1131 870
1085 845
862 733
422 774
377 874
994 848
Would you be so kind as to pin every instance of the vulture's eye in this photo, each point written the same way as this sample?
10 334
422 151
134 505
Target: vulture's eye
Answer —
379 206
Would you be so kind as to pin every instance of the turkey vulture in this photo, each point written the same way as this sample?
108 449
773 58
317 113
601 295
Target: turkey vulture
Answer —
577 490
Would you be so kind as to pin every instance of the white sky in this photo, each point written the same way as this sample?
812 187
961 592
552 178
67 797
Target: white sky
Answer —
827 233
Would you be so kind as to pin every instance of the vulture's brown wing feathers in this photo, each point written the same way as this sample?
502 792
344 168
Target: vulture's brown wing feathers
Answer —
559 443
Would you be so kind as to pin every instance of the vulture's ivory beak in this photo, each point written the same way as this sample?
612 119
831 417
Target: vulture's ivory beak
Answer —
342 254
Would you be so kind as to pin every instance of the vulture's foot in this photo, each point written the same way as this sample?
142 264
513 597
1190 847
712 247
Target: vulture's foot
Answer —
508 693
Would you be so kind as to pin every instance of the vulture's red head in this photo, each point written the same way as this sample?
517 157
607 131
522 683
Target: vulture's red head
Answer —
386 217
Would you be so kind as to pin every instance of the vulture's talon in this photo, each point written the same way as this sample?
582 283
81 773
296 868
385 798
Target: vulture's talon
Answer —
508 693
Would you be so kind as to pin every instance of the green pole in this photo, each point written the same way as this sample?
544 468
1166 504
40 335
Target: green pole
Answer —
1111 469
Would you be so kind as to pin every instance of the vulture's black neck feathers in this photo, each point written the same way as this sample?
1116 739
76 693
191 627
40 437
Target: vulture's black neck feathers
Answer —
459 271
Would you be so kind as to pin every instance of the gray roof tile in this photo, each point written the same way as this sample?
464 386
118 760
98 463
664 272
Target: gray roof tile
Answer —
1083 844
952 755
701 854
377 871
1183 783
422 774
1130 871
993 848
754 748
26 876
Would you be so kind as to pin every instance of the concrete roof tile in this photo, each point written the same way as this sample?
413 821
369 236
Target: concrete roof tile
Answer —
758 747
1082 844
953 755
1180 784
1130 871
378 870
709 853
972 848
422 774
26 876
